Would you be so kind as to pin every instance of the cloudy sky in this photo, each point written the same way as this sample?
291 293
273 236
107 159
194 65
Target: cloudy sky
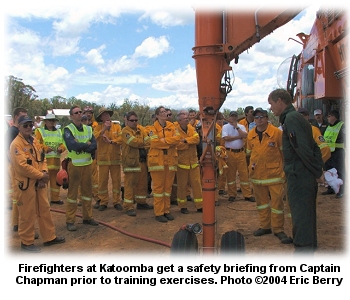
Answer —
104 53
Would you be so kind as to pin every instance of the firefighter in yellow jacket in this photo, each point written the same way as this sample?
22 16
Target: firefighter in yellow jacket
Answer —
134 159
264 146
317 135
162 163
53 146
30 173
81 145
108 137
188 165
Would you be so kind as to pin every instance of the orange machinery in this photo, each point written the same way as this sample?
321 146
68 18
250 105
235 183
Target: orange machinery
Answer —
318 75
220 37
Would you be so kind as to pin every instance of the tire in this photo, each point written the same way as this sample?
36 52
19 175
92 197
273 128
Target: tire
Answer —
184 242
232 242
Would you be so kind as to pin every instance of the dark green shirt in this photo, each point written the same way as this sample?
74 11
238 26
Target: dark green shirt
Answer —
300 151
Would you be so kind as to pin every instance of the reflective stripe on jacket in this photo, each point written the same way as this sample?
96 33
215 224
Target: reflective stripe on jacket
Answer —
266 159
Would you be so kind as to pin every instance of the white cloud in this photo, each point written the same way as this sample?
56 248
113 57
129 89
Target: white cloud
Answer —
152 47
94 56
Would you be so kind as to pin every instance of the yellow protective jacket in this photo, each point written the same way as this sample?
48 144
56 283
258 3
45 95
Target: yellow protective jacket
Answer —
320 141
28 161
159 149
266 158
51 139
187 151
134 143
108 154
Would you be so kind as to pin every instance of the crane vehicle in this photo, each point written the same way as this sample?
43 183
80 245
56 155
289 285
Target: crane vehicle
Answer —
220 37
318 75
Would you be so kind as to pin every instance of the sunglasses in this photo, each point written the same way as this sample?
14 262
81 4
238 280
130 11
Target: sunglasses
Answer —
259 117
51 120
77 112
169 115
28 124
134 120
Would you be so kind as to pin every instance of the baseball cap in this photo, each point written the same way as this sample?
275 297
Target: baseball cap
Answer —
260 110
317 112
24 119
233 113
303 111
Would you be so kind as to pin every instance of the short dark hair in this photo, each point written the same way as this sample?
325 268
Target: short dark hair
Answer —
18 110
73 107
282 94
334 113
248 108
131 113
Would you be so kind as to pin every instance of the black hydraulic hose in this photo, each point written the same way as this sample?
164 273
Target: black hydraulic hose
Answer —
122 231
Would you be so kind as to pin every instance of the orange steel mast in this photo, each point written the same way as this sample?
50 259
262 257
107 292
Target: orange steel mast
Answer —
220 36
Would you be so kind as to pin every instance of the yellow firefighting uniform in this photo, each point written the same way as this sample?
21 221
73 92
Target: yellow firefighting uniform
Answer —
109 162
94 168
54 140
134 160
29 163
79 171
162 164
188 170
321 142
267 176
222 175
236 161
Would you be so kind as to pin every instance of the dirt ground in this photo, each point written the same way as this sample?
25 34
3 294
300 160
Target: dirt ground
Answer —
119 233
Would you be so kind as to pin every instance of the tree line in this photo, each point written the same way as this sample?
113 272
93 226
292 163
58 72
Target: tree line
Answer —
19 94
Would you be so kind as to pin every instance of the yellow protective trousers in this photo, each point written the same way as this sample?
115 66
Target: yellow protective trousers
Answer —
12 189
270 206
53 166
135 187
237 162
162 182
114 171
54 188
79 176
191 177
33 203
94 171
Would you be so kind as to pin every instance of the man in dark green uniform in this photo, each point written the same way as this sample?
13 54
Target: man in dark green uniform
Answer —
303 167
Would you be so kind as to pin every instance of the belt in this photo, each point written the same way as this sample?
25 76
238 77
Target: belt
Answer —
235 150
165 151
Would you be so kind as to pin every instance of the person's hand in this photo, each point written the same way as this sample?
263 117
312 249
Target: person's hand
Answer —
45 178
59 150
321 179
41 184
49 149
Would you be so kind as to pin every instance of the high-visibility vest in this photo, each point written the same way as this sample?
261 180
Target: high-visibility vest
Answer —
83 158
52 139
331 135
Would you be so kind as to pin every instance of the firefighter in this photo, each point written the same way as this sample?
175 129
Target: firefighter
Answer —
134 161
81 145
317 135
108 137
30 173
188 171
11 134
335 138
162 163
264 146
234 134
89 113
303 168
52 142
319 121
